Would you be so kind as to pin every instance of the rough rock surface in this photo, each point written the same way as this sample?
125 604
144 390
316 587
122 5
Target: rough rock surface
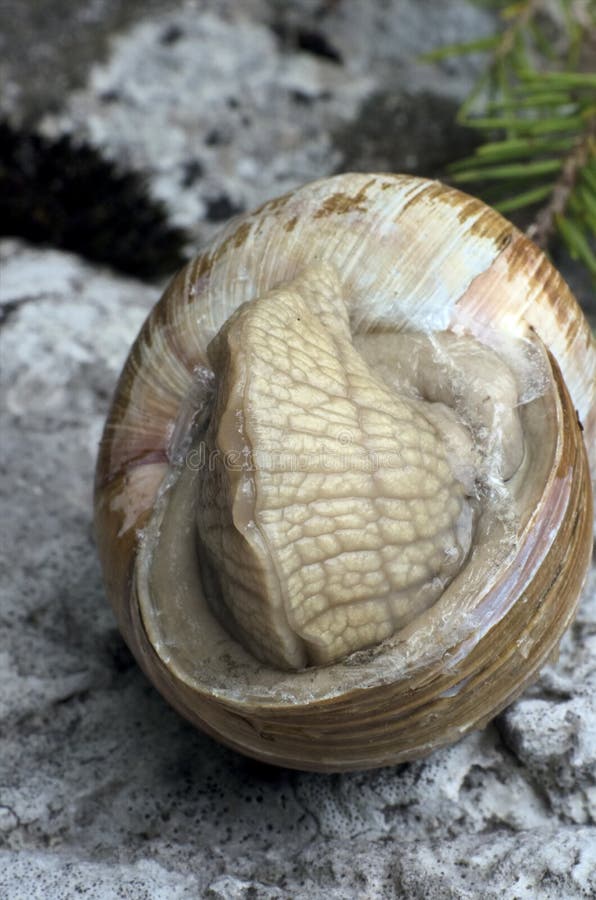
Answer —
256 111
104 791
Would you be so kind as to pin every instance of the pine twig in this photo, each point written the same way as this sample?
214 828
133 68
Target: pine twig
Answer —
543 227
527 12
533 105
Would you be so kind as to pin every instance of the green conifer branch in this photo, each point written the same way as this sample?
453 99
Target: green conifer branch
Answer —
566 188
535 107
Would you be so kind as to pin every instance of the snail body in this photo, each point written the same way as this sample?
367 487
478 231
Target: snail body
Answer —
343 496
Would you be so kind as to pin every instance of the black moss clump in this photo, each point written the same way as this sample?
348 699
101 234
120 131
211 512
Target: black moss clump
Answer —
66 195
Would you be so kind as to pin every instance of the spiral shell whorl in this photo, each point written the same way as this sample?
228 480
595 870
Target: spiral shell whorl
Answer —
408 251
470 266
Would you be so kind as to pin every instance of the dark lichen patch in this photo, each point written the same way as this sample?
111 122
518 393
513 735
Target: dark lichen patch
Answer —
191 172
221 208
399 132
217 138
301 98
316 43
66 195
308 40
171 35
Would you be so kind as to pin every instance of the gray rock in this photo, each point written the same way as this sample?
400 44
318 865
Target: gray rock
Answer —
48 47
235 111
104 791
41 875
552 730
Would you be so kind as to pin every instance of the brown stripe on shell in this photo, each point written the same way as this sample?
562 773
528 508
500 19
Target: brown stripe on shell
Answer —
341 202
157 376
522 287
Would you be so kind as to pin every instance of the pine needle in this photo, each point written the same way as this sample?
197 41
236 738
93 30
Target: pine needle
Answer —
537 115
527 198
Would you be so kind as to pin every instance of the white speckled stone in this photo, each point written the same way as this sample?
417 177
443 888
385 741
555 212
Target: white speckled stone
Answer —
257 116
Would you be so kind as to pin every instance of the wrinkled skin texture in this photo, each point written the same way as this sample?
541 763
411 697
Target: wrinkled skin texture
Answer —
336 508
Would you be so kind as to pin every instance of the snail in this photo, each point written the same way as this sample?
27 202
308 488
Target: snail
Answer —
343 498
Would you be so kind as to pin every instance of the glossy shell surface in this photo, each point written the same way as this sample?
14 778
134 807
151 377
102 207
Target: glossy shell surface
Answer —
414 254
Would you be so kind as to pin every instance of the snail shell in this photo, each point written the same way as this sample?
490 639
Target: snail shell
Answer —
366 264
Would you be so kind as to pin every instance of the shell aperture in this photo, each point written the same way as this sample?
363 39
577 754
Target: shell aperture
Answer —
330 512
